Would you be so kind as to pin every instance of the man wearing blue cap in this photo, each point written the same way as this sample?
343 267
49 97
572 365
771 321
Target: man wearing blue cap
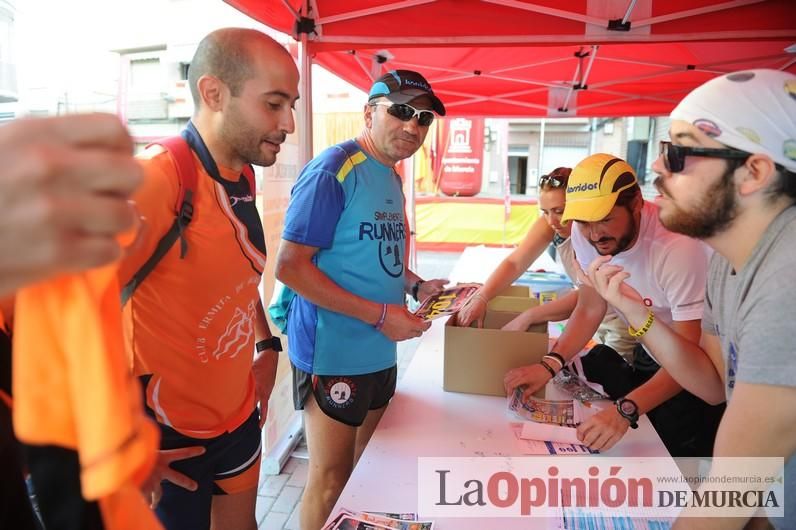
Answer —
343 253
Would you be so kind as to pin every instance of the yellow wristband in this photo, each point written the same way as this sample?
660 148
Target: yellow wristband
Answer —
638 333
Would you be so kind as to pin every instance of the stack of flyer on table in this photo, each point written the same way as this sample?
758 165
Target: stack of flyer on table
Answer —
350 520
547 420
550 426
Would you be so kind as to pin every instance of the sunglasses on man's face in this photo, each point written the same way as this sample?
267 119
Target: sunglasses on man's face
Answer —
549 181
405 112
674 155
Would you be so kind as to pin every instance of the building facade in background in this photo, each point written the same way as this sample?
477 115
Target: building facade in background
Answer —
8 66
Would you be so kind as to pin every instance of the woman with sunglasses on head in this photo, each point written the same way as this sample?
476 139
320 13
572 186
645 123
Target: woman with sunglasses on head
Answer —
547 230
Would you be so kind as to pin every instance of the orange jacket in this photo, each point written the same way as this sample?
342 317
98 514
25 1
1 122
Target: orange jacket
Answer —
72 388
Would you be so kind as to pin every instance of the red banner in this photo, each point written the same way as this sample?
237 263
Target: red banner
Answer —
459 156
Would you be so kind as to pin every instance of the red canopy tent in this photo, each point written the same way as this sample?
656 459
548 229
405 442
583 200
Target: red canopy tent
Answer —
535 58
538 57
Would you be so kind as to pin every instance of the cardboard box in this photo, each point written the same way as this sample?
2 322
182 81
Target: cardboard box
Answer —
476 359
517 291
514 299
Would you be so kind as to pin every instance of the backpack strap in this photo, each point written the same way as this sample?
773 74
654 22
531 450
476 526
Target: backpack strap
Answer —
182 158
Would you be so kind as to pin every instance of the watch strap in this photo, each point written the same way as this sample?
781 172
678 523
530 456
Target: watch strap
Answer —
272 343
632 418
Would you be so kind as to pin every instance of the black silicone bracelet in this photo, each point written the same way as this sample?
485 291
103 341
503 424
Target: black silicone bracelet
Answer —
548 368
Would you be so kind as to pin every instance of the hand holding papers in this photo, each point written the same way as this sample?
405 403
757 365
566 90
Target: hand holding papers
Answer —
547 420
559 412
446 302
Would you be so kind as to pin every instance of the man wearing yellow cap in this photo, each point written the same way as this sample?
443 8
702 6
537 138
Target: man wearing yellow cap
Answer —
669 271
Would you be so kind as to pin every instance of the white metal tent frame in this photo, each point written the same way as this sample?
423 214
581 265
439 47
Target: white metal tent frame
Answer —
310 25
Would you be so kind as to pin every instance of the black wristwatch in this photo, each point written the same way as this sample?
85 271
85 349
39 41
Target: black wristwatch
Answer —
269 344
628 409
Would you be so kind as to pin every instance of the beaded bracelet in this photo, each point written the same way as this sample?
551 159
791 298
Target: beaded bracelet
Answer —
638 333
380 324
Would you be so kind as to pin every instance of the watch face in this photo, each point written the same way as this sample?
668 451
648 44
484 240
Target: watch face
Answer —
628 407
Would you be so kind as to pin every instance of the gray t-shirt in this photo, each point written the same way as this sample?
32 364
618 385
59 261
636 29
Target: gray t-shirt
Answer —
752 314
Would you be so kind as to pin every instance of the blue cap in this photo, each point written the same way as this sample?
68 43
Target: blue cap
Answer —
402 86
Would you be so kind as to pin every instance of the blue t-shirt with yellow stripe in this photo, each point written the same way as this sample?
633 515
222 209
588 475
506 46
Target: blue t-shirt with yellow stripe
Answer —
351 207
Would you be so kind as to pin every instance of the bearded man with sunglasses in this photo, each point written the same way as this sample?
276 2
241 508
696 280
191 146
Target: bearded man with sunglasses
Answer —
728 177
669 270
343 253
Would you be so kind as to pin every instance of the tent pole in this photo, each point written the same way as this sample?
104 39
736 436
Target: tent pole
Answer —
305 103
540 158
393 6
290 8
411 211
629 10
677 15
568 15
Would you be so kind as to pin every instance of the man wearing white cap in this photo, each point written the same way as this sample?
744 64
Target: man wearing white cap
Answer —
728 177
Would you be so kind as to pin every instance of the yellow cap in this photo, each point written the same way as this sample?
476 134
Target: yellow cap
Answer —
594 185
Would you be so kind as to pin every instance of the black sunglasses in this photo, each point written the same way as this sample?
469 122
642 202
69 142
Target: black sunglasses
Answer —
405 112
674 155
550 181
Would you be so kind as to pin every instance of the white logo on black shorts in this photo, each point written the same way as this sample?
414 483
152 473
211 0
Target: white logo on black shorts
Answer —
340 392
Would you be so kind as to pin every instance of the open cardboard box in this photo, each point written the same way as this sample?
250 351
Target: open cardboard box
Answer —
476 359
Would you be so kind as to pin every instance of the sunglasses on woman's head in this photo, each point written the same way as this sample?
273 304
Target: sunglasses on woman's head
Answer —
550 181
674 155
405 112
